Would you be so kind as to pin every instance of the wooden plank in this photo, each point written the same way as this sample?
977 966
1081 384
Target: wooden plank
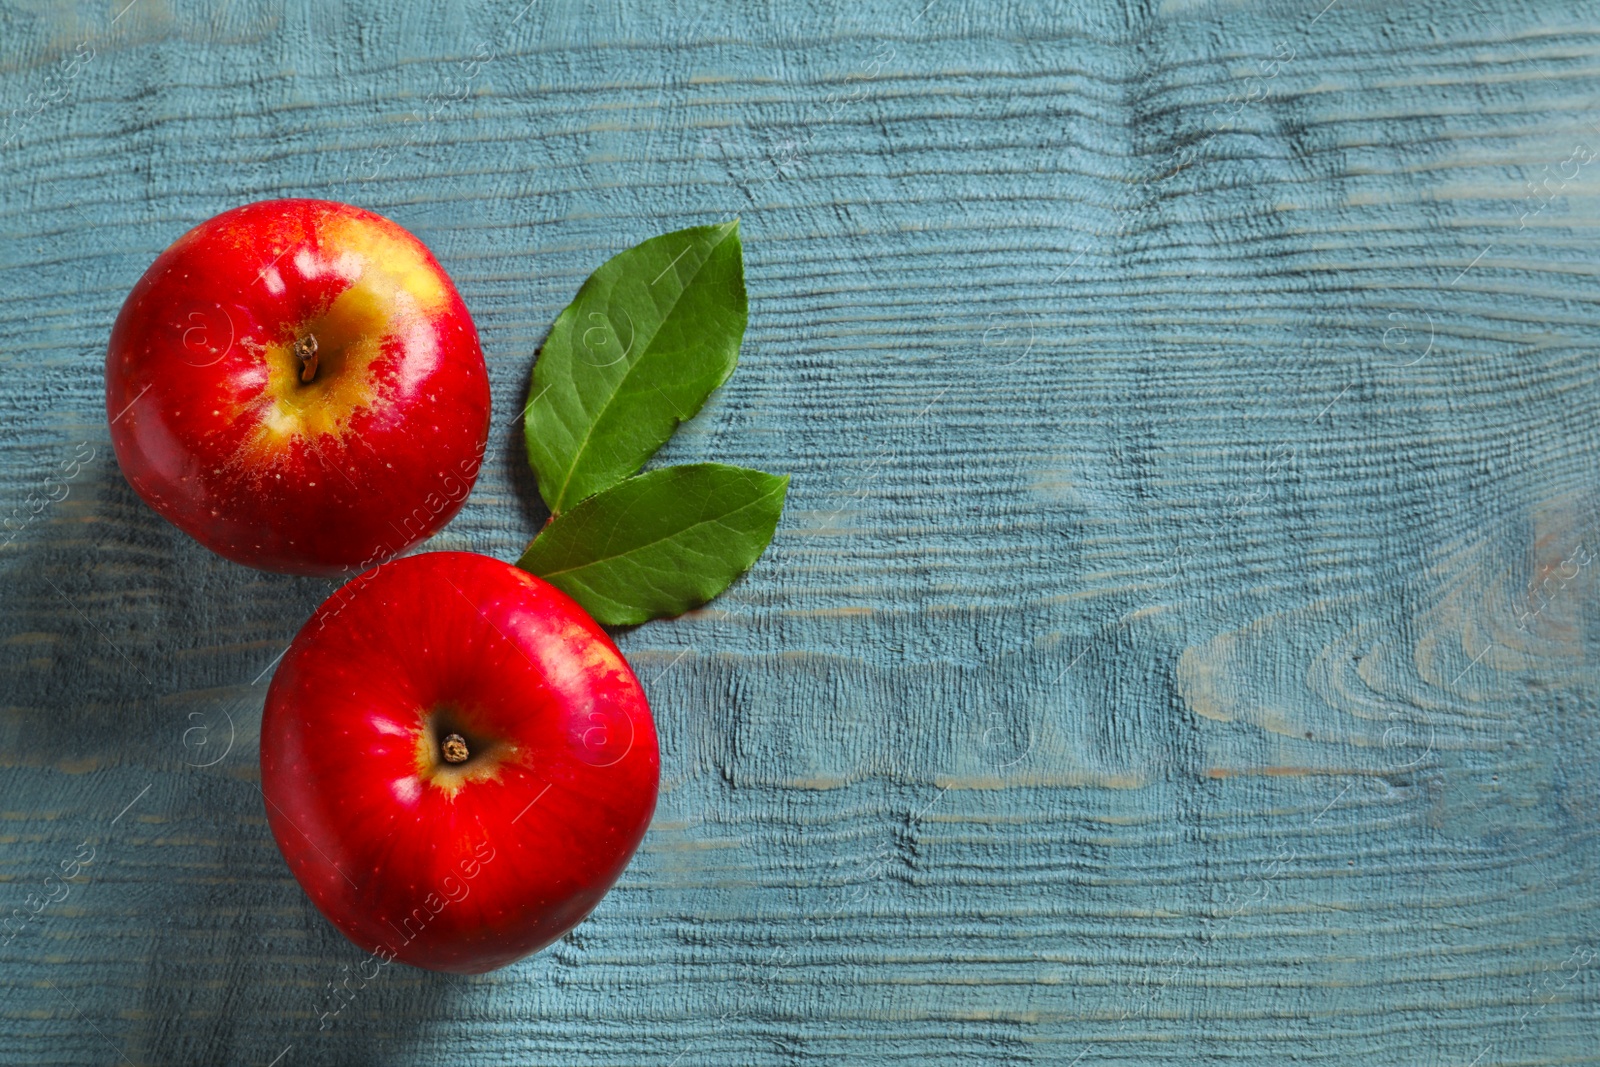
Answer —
1175 648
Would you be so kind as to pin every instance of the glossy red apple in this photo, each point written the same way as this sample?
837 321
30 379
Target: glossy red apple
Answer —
457 761
297 385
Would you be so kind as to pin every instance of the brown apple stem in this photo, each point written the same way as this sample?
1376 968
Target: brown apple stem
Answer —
305 350
454 747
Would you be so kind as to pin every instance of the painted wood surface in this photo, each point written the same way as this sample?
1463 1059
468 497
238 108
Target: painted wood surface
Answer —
1181 642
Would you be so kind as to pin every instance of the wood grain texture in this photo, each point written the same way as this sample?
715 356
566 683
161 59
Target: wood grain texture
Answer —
1180 644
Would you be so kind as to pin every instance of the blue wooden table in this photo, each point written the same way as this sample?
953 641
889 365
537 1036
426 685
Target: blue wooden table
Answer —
1181 642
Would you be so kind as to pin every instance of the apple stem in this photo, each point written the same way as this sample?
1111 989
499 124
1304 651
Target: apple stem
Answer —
305 350
454 747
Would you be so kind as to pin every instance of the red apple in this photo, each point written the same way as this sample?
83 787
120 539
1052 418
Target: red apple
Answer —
297 385
457 761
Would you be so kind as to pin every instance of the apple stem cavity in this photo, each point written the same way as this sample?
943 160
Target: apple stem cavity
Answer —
454 747
305 350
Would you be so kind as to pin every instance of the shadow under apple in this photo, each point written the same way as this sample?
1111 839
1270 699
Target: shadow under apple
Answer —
135 664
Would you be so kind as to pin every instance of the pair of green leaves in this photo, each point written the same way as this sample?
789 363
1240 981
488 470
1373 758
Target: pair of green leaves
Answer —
638 351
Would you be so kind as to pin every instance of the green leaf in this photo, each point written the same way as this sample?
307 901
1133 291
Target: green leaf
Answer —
661 543
646 340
